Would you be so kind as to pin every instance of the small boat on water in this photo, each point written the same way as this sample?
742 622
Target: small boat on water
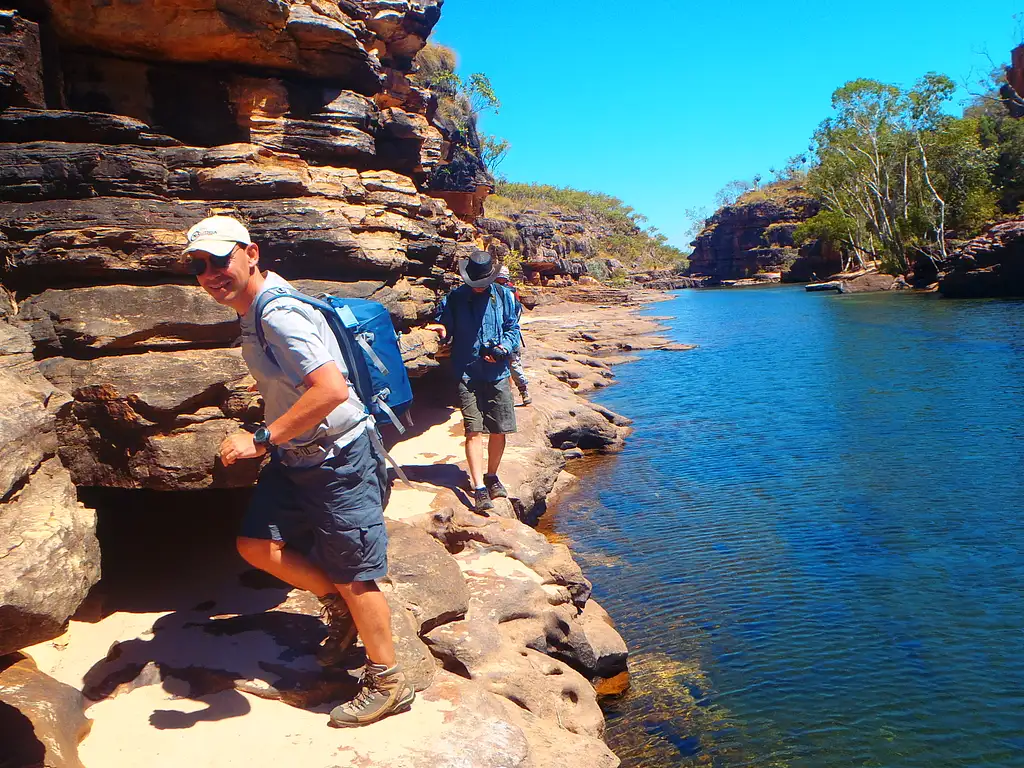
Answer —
835 285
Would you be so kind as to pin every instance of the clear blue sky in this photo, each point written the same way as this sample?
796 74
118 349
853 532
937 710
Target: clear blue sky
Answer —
662 102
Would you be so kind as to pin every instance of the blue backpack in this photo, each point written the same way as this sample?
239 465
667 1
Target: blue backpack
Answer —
369 345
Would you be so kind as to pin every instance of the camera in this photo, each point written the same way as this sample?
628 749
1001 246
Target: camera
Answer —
493 349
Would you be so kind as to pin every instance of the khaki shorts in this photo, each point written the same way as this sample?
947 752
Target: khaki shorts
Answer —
487 406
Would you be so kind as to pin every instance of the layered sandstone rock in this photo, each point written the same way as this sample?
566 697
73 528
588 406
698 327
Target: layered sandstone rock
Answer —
121 124
549 244
991 264
297 117
755 235
50 553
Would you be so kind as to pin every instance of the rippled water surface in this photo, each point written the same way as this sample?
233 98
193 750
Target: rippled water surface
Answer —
814 541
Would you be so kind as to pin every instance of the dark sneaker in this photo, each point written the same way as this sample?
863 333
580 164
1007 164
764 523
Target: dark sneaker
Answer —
494 487
482 500
341 631
526 397
382 692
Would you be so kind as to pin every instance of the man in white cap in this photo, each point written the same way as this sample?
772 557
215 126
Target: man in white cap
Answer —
324 480
515 360
480 318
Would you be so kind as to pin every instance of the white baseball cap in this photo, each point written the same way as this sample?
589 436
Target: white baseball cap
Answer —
217 235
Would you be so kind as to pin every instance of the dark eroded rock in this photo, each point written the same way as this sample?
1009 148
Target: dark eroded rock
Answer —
122 318
991 264
155 419
21 62
50 557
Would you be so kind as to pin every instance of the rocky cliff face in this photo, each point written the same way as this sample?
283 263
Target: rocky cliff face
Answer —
123 122
547 243
755 235
299 118
991 264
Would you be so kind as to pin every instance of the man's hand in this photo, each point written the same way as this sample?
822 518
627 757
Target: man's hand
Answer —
440 330
239 446
501 351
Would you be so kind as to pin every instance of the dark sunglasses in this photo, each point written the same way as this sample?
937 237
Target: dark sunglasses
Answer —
197 267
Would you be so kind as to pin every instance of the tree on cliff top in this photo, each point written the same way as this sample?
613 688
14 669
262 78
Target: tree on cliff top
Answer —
1002 134
461 101
896 174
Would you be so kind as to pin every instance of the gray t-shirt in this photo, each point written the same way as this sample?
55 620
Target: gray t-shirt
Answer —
301 341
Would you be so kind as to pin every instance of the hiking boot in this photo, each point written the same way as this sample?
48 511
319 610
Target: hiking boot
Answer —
482 500
382 692
526 396
494 487
341 631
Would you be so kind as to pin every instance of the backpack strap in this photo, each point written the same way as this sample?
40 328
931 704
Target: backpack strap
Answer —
269 295
337 321
345 318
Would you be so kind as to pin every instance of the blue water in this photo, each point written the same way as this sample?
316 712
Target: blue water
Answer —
814 541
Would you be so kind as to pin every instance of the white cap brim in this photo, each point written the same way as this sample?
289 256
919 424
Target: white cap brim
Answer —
213 247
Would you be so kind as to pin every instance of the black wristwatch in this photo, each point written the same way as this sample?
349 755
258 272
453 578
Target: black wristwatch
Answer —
262 437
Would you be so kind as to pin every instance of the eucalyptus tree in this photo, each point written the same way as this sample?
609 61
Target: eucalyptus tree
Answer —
894 172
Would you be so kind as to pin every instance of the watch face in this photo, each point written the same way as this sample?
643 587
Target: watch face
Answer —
261 436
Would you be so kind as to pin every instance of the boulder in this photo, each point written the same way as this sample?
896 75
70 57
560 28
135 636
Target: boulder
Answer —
582 427
154 419
869 283
43 721
425 577
597 647
27 434
21 62
51 561
991 264
513 622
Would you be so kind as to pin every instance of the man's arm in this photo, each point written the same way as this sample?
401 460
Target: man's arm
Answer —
326 389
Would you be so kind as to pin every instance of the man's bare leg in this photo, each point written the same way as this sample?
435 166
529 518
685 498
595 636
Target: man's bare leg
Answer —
287 565
495 450
475 458
372 616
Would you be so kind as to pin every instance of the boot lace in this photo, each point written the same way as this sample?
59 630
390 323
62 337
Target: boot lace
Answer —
368 686
334 616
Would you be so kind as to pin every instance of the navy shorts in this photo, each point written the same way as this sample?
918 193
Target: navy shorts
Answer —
333 512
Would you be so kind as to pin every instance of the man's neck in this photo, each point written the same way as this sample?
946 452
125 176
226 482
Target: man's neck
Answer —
248 296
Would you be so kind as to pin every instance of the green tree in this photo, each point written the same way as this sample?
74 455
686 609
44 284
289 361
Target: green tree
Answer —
493 150
895 172
1003 136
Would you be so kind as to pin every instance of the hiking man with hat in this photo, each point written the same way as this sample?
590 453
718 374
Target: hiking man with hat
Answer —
316 518
481 320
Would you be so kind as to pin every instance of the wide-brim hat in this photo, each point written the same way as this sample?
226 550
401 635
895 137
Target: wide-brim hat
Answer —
479 270
217 235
